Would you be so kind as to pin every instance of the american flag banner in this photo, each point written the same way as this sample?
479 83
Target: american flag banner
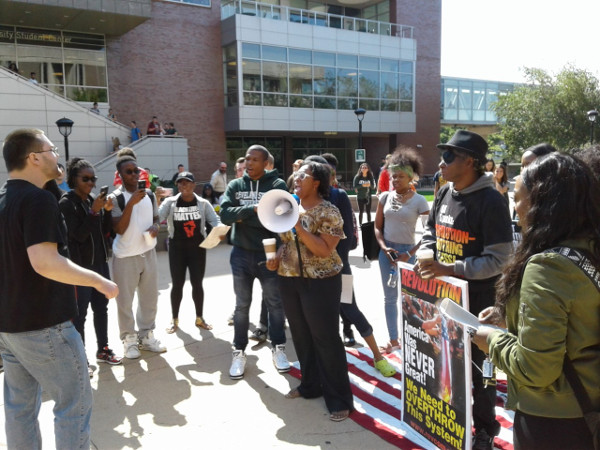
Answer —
379 405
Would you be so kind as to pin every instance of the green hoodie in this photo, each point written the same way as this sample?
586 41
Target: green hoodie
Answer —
237 209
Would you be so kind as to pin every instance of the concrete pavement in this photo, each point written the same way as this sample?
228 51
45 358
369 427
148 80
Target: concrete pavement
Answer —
184 398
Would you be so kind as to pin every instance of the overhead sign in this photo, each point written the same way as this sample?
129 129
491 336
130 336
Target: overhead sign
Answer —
360 155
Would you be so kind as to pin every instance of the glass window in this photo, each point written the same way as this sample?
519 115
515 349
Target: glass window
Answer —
347 85
347 61
369 105
389 105
250 50
230 53
231 87
252 99
369 84
390 65
274 53
324 80
389 85
251 75
406 66
406 106
323 59
406 87
275 100
347 103
275 77
300 56
301 79
84 67
325 102
368 62
301 101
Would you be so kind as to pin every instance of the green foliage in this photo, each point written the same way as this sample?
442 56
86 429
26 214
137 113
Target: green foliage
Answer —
447 132
548 109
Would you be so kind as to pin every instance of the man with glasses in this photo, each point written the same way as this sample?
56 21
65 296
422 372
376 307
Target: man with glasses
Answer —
238 209
469 230
135 222
39 344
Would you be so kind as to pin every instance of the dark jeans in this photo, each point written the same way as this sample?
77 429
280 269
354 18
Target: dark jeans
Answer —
185 255
364 204
546 433
312 307
351 315
246 266
87 295
484 398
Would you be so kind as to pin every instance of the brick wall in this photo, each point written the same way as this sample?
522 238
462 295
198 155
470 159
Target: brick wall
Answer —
426 17
170 66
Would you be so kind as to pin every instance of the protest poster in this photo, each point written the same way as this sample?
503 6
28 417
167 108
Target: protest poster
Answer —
437 359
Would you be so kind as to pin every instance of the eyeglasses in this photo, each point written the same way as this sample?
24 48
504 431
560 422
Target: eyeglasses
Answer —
301 176
449 156
132 171
53 149
88 179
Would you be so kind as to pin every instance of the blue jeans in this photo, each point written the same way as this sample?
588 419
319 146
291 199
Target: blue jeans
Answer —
390 295
52 359
245 267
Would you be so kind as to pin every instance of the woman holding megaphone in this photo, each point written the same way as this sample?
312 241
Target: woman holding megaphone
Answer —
310 283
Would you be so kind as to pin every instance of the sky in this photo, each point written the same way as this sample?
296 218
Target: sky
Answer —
494 39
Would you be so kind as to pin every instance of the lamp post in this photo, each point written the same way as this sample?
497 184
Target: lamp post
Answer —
592 115
360 115
64 127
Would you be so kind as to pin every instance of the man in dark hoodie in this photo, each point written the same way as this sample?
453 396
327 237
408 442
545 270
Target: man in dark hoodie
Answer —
469 230
247 260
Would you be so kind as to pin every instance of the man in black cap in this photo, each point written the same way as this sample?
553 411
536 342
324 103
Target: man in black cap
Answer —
469 230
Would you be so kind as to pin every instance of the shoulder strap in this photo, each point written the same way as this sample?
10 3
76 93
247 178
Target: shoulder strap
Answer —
579 258
121 199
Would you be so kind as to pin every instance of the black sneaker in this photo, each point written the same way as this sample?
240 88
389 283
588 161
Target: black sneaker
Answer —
483 441
106 355
259 335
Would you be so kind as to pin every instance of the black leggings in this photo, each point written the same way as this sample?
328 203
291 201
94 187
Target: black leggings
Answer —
364 204
184 255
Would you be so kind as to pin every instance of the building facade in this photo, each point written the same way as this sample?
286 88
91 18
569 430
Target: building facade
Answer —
287 74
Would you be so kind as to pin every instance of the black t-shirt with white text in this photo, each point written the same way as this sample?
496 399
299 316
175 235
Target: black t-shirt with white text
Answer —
187 221
29 301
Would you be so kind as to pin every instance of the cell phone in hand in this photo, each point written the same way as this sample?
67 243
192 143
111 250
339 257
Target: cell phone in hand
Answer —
104 191
141 184
393 256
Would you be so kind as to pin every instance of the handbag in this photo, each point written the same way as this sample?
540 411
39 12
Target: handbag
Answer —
370 244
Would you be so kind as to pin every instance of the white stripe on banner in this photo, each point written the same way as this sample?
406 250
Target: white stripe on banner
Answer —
379 393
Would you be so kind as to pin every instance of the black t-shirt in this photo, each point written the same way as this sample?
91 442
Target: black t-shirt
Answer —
187 221
28 301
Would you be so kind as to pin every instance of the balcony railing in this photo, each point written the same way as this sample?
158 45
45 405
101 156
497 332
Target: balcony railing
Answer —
275 12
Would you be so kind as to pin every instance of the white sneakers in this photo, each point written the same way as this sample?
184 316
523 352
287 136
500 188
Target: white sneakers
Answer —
238 362
238 365
132 345
152 344
280 359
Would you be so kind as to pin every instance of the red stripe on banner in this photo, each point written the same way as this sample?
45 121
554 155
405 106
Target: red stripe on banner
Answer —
369 360
378 426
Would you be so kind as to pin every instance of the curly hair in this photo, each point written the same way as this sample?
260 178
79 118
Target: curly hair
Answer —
407 156
564 197
74 166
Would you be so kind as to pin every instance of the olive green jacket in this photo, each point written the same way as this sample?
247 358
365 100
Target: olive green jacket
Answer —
558 310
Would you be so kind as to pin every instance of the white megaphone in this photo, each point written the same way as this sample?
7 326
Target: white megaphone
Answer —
278 211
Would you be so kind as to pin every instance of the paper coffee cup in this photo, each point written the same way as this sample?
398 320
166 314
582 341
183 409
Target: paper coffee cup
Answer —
423 255
150 240
270 247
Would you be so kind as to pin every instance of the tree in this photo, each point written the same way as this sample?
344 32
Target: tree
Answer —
547 109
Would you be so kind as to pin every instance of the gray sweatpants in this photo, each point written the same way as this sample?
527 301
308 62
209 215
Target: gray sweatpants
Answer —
136 272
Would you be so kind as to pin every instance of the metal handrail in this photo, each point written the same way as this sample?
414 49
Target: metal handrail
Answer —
285 13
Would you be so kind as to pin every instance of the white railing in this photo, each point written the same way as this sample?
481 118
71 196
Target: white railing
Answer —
275 12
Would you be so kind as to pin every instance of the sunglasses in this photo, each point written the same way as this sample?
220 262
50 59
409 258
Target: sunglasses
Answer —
449 156
88 179
301 176
132 171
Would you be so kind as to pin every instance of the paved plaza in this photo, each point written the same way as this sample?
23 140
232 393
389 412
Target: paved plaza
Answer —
184 398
